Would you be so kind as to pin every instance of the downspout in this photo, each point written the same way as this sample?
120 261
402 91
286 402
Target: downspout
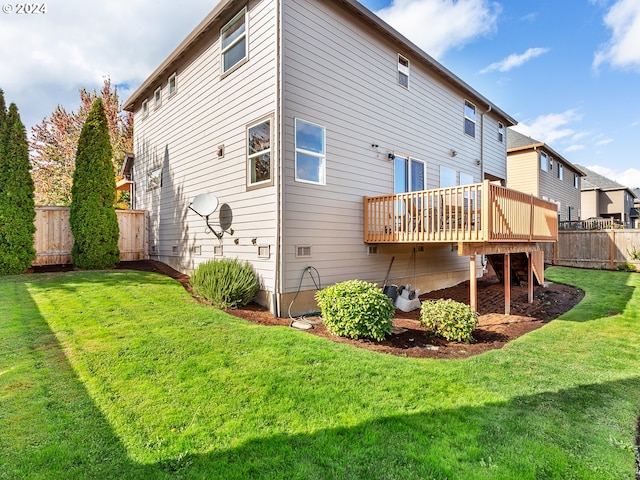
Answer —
275 301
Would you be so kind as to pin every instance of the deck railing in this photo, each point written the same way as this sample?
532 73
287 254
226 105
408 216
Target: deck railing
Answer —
481 212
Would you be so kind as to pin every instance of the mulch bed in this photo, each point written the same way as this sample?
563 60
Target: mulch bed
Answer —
494 329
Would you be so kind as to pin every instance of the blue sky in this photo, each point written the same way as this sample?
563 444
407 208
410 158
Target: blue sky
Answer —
567 70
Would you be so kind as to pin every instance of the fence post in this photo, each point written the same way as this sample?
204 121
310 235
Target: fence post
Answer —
612 249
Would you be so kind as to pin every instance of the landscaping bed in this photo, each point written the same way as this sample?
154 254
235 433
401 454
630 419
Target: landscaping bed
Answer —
494 328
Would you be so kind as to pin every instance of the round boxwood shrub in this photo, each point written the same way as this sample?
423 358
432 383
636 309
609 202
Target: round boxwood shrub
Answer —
448 319
226 283
356 309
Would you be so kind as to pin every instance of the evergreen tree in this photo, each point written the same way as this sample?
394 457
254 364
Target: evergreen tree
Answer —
92 214
17 208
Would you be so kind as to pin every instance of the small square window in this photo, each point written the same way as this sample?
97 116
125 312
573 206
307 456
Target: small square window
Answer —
403 71
154 179
172 84
145 108
469 119
157 98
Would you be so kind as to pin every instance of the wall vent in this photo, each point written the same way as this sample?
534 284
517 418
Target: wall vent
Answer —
174 248
196 250
372 250
264 251
217 250
153 249
303 251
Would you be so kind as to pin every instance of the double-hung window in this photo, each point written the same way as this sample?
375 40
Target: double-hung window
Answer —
172 84
403 71
500 132
469 119
544 162
233 41
560 171
259 154
576 180
310 147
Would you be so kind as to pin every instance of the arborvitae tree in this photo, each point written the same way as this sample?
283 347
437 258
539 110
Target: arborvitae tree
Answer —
17 211
92 217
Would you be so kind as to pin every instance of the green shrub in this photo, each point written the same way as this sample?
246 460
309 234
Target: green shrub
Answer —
626 267
356 309
448 319
226 283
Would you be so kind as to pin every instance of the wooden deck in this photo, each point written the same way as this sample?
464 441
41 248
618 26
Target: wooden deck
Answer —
482 212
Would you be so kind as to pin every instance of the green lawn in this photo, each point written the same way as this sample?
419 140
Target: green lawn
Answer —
120 375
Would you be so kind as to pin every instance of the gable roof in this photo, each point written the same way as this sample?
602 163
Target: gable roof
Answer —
595 181
517 141
225 10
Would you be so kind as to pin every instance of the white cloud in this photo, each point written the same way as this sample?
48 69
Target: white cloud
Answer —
515 60
604 141
437 26
622 51
629 177
54 54
574 148
550 127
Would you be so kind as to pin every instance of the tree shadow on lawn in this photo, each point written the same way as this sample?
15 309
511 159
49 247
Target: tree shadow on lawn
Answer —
525 437
528 437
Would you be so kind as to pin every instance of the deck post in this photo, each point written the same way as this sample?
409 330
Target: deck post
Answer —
507 284
473 284
530 276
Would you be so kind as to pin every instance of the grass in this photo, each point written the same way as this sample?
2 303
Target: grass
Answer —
122 375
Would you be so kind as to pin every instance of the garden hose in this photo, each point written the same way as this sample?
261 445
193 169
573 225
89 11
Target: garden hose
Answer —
318 287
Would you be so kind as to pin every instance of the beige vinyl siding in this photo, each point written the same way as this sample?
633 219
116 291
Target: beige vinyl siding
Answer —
558 190
590 204
183 137
342 76
522 172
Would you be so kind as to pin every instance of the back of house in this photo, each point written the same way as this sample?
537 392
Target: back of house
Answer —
290 112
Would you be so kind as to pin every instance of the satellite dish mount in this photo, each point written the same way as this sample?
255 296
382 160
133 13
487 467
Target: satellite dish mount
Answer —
204 205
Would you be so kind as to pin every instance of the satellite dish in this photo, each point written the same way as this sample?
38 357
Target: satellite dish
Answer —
204 204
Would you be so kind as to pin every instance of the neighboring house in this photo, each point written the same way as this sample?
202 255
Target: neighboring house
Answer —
605 198
635 213
534 167
294 113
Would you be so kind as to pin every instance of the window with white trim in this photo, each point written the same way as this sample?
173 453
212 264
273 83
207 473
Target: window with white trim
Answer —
500 132
544 162
560 171
154 178
157 98
576 180
310 152
145 108
409 174
172 84
470 119
233 41
403 71
259 153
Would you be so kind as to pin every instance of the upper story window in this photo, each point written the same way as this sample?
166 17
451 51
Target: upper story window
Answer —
259 153
544 162
560 171
500 132
469 119
310 152
233 41
403 71
172 84
157 98
576 180
145 108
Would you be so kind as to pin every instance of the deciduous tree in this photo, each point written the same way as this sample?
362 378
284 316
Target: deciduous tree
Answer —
55 140
92 214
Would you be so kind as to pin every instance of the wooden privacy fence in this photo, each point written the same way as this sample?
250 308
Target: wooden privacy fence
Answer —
599 249
53 239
